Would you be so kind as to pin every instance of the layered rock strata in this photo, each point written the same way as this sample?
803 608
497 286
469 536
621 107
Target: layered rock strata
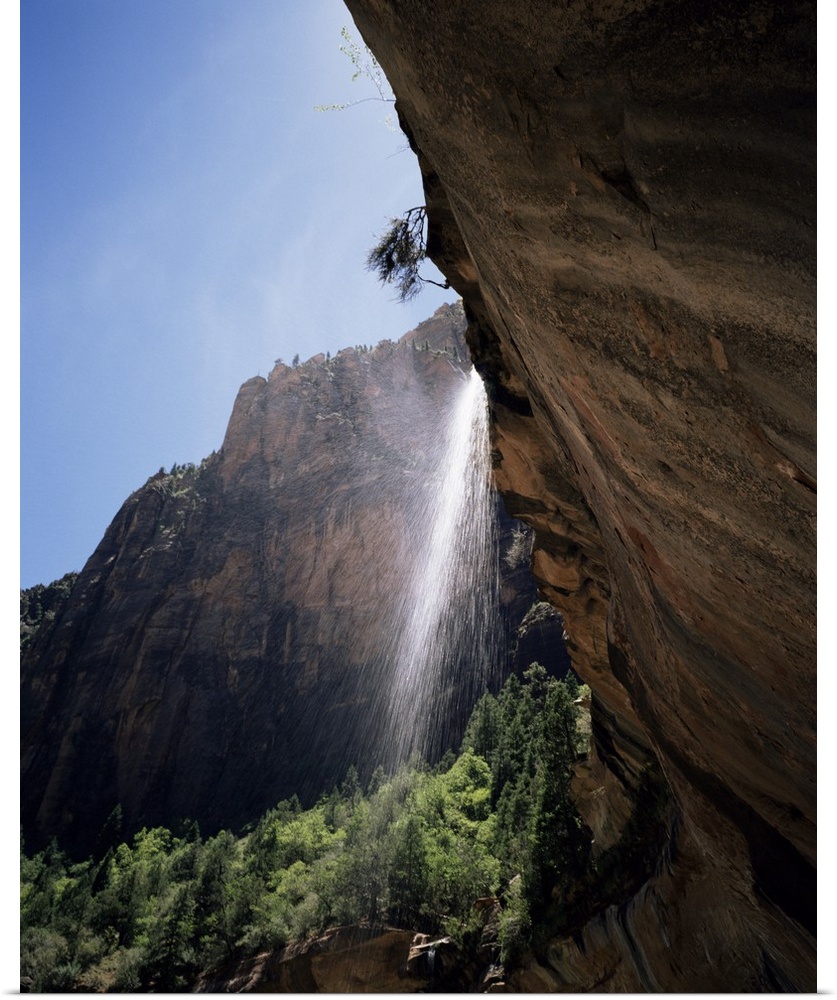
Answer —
224 646
623 193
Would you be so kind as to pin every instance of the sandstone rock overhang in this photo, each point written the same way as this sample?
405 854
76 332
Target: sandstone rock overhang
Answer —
623 192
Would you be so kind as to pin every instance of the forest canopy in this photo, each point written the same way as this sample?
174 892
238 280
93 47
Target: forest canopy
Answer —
414 849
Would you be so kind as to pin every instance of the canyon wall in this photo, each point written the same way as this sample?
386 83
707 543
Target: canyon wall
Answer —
224 646
623 192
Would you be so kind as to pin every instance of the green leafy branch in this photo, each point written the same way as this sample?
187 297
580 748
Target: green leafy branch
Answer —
367 67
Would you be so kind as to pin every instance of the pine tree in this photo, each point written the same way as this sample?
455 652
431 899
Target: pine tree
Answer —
559 843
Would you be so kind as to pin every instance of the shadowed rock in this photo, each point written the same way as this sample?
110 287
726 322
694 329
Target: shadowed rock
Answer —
623 194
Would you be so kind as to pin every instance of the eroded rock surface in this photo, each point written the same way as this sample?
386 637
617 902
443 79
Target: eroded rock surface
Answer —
623 193
348 959
359 958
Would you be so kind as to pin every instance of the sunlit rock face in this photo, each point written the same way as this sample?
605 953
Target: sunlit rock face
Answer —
342 960
226 645
623 193
357 959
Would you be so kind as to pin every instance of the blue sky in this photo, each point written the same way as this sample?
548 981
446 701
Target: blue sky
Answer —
187 217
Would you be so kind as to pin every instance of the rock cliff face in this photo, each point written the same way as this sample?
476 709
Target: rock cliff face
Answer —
353 959
343 960
623 193
221 649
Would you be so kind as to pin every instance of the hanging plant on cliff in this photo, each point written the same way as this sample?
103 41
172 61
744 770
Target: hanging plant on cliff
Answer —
366 67
400 252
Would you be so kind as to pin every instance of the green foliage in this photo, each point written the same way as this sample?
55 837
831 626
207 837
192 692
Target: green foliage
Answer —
559 845
365 66
482 734
45 960
409 869
40 605
515 921
416 849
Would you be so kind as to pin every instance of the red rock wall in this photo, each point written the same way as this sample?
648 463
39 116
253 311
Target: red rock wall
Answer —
623 193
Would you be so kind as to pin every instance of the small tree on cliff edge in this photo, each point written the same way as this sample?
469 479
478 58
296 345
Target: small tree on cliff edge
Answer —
400 252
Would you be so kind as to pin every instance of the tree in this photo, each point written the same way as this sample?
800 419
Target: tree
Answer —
559 844
572 685
408 870
351 789
165 935
110 835
44 960
417 848
215 930
364 864
376 781
400 252
482 734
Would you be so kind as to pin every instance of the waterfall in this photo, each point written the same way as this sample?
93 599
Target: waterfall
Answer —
450 606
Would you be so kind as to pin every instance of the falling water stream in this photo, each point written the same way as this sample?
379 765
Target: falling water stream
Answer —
450 607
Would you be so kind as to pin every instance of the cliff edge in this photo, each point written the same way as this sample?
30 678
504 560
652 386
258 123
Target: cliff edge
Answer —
227 645
623 192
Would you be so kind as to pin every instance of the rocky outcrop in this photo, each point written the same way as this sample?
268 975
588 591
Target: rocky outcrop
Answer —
623 193
348 959
359 959
40 604
223 647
